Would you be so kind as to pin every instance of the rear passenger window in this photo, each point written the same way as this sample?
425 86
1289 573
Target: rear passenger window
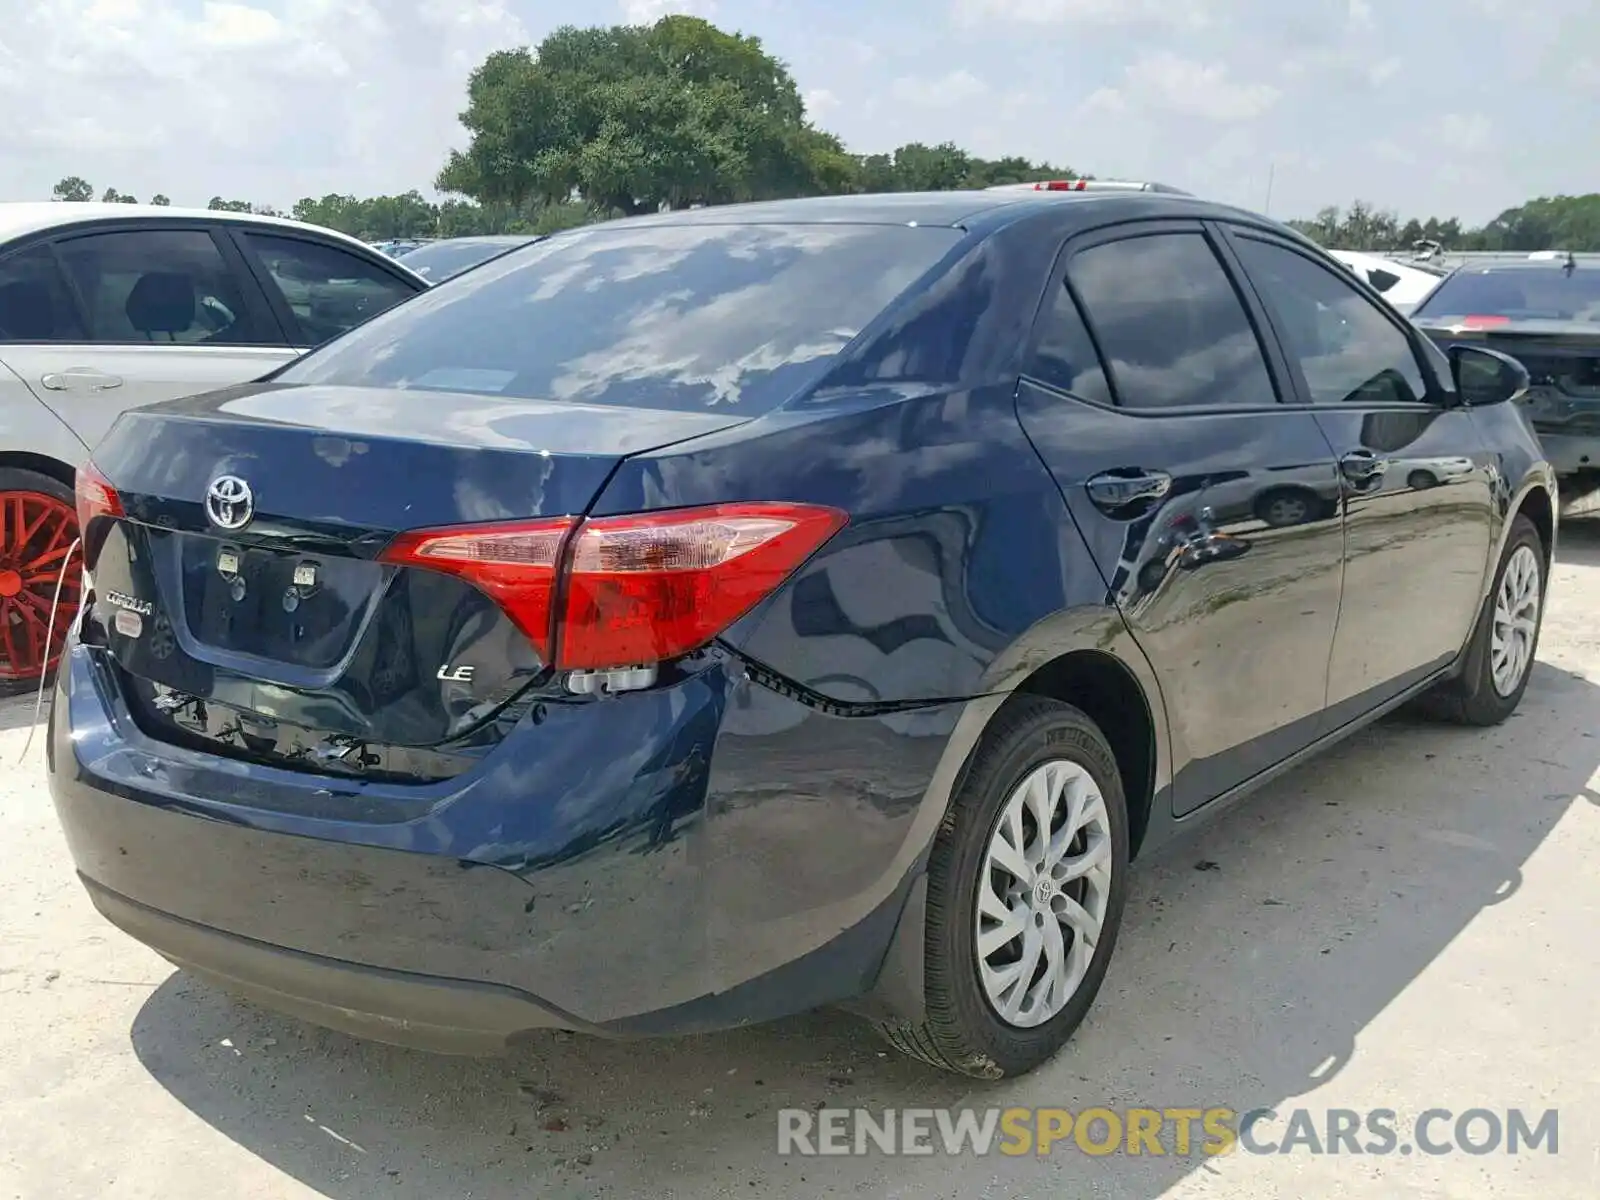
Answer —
1172 328
328 289
1065 356
157 285
34 303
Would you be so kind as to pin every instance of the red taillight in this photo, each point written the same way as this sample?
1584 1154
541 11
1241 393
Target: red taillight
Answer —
513 563
637 589
647 589
1061 185
1484 321
95 496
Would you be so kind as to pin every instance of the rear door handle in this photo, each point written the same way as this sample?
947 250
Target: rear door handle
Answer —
1362 464
86 378
1122 487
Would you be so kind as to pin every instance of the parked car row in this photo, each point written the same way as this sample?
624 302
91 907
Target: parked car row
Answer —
698 618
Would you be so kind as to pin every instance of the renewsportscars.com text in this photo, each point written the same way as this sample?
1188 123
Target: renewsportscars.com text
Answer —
1180 1132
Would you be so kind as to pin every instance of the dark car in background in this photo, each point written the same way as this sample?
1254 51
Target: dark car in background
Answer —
438 261
696 619
1545 312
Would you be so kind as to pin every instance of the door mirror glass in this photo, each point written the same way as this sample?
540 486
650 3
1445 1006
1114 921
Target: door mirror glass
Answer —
1484 376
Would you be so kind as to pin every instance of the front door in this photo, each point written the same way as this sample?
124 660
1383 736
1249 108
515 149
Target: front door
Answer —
1212 509
166 315
1419 480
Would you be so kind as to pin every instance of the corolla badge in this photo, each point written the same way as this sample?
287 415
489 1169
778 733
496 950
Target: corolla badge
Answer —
229 502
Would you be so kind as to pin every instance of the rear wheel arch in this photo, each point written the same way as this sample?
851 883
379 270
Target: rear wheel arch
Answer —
41 464
1105 690
1539 508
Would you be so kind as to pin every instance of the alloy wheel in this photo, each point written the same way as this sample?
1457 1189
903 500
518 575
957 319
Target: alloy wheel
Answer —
1288 510
36 535
1044 892
1516 620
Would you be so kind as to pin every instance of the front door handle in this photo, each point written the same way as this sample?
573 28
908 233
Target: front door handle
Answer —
1123 487
1362 465
86 378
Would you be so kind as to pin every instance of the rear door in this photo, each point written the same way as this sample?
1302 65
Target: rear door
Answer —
1419 480
320 290
159 311
1211 508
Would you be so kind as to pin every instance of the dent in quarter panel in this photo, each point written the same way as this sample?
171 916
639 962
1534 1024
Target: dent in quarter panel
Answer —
813 821
958 541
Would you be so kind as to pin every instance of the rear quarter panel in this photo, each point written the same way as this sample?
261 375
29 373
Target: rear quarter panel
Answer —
28 427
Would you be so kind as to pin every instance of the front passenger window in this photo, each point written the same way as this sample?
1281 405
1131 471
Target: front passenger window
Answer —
1349 351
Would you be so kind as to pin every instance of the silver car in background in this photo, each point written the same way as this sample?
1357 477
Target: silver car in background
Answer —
105 307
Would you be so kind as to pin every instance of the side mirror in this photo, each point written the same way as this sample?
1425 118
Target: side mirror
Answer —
1484 376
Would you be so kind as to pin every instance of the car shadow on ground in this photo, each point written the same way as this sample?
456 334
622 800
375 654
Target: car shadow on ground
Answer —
1252 958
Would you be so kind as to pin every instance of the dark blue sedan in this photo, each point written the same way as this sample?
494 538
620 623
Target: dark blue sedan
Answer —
692 620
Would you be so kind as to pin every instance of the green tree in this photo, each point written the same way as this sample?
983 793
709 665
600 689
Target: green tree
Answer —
636 118
1544 223
218 204
74 188
160 201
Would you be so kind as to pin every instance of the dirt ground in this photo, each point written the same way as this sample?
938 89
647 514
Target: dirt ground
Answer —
1408 923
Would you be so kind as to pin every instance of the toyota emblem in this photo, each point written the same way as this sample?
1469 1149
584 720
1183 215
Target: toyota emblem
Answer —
229 502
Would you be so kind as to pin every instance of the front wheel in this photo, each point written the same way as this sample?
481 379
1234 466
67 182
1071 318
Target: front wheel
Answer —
1026 886
1499 657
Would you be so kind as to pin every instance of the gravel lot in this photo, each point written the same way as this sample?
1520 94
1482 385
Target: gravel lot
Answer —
1406 924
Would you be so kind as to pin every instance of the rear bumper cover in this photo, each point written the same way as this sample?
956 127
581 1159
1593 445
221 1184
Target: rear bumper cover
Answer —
752 860
1570 453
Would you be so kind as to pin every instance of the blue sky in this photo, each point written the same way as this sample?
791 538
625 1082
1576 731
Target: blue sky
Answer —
1433 107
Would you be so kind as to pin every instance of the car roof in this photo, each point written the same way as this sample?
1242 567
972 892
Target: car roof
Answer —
21 218
1523 266
953 209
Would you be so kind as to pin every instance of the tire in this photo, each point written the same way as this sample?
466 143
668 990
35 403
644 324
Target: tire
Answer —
1285 507
963 1031
20 562
1474 697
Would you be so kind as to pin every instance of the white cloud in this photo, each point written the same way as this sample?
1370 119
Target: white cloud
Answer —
1361 14
1181 13
236 25
819 103
1466 131
1166 82
648 12
265 100
1384 70
953 88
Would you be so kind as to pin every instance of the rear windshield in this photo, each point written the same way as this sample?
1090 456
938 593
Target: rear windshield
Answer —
679 317
1526 293
440 260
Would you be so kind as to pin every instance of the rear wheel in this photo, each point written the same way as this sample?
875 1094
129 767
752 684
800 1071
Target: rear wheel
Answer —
38 524
1026 887
1500 656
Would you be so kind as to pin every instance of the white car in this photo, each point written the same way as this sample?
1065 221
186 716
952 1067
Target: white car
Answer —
1402 286
104 307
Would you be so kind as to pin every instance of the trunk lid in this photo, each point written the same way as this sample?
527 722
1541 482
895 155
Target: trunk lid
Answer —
1562 359
286 639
